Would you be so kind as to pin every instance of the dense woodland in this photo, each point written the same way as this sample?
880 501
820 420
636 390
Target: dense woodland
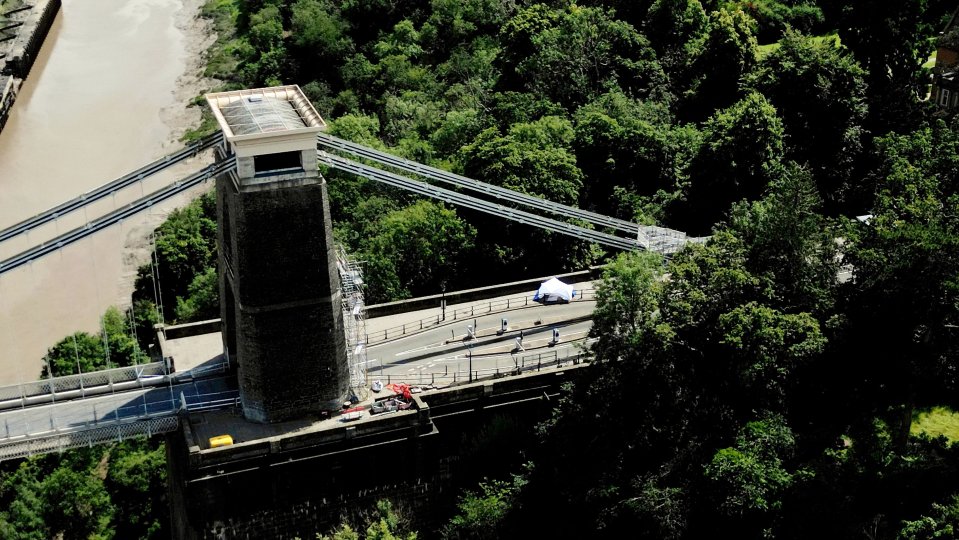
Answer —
737 390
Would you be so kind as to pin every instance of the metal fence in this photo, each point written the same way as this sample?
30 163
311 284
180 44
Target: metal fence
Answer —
84 383
85 423
521 364
477 309
59 442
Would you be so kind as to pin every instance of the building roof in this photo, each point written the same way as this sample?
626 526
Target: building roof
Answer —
258 112
261 114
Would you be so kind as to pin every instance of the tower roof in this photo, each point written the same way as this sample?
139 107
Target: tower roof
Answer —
264 112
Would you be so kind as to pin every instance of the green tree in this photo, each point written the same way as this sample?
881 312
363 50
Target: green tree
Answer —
123 348
316 25
80 350
905 261
819 92
22 515
740 151
185 246
790 242
382 524
718 62
891 41
76 505
767 347
750 476
414 250
593 50
136 482
481 513
629 151
672 26
943 522
203 300
533 158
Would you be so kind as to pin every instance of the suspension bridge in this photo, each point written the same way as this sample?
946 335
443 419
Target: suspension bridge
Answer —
64 412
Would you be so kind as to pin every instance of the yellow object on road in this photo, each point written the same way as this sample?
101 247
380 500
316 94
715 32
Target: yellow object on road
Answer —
220 440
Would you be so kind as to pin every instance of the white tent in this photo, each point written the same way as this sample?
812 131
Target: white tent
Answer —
554 290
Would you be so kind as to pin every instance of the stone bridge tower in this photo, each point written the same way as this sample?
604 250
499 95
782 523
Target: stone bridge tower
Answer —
280 298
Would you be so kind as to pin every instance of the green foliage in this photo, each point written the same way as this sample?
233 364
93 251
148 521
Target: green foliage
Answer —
98 493
627 146
480 514
750 477
415 249
718 62
775 18
768 347
820 93
382 524
891 42
76 505
789 241
533 158
674 26
136 481
185 248
906 260
740 151
593 50
942 523
114 346
935 422
203 301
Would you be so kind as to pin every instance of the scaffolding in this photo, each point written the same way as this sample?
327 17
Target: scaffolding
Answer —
665 241
354 319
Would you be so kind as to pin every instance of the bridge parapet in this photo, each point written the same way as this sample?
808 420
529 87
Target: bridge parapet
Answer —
81 385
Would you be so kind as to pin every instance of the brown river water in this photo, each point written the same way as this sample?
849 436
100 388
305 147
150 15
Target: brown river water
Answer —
106 96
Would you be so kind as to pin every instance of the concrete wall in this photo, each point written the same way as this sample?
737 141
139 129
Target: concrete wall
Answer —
301 484
23 52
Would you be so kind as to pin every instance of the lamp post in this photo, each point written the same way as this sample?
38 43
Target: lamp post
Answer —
469 353
443 298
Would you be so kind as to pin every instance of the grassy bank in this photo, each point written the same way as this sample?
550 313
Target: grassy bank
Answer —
221 62
935 422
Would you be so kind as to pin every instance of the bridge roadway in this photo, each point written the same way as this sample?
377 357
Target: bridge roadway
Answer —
440 355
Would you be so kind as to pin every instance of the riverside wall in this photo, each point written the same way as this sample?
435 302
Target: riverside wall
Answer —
20 41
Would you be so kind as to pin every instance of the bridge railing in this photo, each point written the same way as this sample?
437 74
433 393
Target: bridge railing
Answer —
106 423
522 364
73 386
466 312
58 442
